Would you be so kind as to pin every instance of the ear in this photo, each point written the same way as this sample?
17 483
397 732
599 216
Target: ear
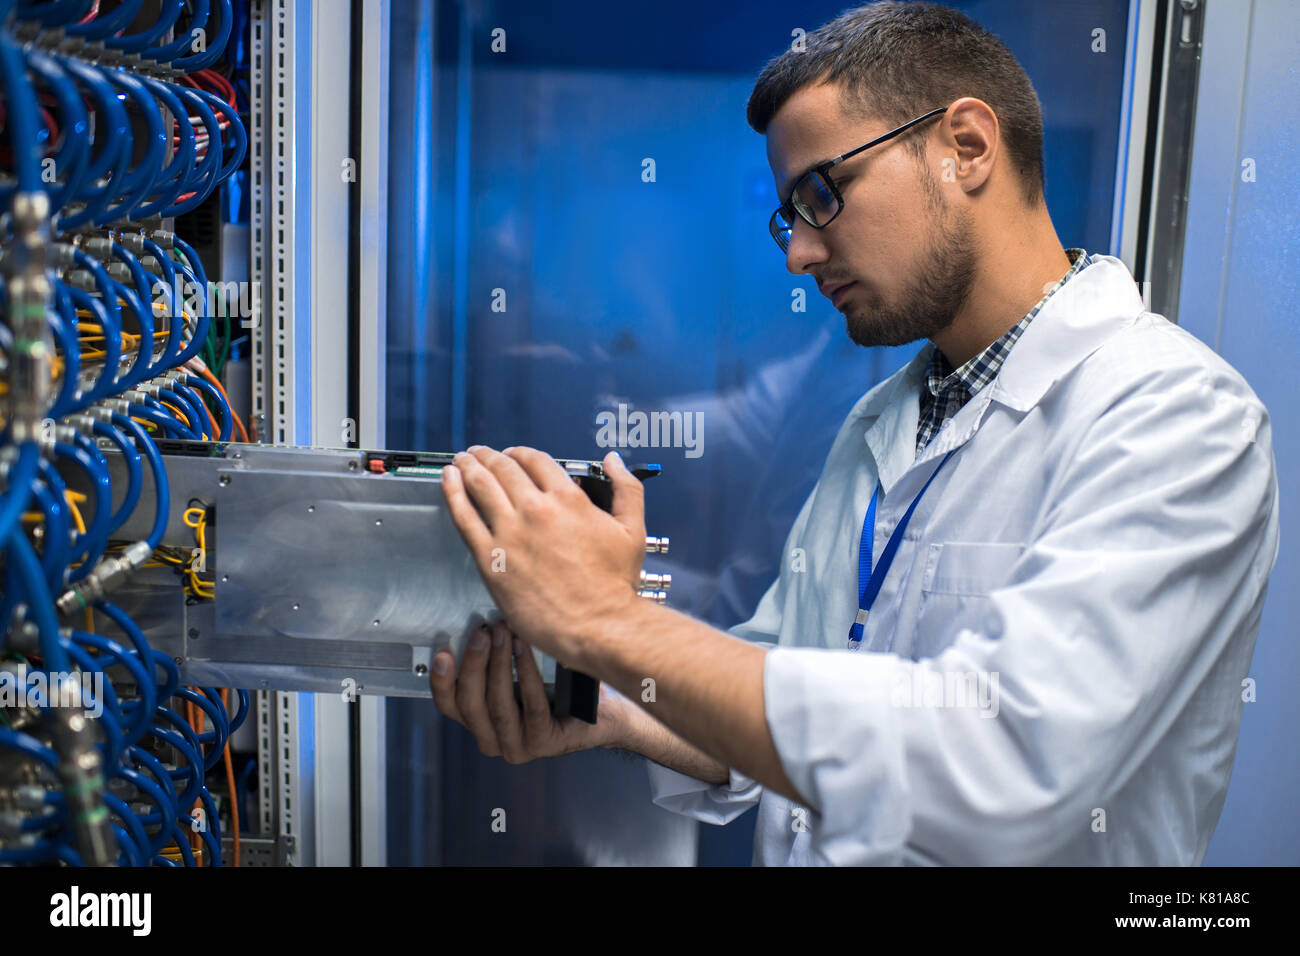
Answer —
970 140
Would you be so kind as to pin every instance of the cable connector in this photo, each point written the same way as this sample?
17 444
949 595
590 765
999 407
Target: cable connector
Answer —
29 796
107 576
133 242
81 769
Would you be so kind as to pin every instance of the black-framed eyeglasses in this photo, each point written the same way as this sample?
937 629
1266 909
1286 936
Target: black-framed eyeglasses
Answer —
816 198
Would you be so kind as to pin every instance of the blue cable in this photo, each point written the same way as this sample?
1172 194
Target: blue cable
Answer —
183 156
211 834
208 174
132 662
172 50
200 61
176 298
130 855
57 12
112 346
134 473
63 323
134 43
112 312
22 474
187 857
147 655
54 558
236 127
144 290
169 425
141 176
108 718
244 702
21 112
220 734
162 499
29 746
158 772
192 770
166 808
107 25
73 156
222 406
200 409
194 273
22 481
91 544
191 736
189 403
40 604
141 367
139 838
113 134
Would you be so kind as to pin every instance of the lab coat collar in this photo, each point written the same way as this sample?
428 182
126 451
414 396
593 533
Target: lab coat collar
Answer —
1078 318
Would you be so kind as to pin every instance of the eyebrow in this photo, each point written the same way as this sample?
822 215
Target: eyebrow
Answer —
799 175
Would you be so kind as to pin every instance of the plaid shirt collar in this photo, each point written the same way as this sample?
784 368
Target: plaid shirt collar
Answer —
949 389
940 376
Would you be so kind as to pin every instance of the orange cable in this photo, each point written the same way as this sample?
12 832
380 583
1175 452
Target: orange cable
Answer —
230 782
207 373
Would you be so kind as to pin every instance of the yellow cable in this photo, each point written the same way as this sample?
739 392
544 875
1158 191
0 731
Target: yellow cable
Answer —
76 512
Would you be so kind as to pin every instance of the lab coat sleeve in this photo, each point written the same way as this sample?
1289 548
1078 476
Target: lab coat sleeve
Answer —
718 803
1150 555
721 803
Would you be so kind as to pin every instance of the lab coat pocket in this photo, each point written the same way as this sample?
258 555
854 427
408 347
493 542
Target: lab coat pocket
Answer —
959 576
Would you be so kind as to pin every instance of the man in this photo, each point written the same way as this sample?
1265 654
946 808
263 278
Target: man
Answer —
1060 516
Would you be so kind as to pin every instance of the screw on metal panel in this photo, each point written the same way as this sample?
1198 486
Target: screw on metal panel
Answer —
375 622
223 480
194 632
311 507
378 522
352 466
179 660
295 607
225 578
421 670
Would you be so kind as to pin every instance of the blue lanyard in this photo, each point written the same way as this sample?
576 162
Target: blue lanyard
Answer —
869 579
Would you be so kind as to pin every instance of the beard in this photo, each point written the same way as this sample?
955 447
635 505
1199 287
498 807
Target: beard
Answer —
944 276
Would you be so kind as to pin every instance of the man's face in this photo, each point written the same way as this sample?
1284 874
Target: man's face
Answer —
908 254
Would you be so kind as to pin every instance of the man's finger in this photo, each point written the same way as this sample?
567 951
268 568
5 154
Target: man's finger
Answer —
444 686
532 692
501 705
514 482
544 470
468 521
483 489
629 494
471 692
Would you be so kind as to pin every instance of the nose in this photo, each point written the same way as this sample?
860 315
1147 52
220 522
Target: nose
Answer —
807 248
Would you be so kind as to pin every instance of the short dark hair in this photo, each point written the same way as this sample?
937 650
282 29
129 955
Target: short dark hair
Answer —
896 60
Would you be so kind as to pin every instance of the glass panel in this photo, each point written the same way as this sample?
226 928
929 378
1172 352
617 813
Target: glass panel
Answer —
549 263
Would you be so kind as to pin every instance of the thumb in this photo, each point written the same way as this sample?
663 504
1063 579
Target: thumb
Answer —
629 494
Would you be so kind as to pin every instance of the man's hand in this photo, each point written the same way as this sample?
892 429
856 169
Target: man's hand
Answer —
482 700
556 565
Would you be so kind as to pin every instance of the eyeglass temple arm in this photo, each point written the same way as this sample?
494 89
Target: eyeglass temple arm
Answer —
880 139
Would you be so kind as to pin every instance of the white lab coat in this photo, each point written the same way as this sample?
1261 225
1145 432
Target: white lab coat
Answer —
1092 561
